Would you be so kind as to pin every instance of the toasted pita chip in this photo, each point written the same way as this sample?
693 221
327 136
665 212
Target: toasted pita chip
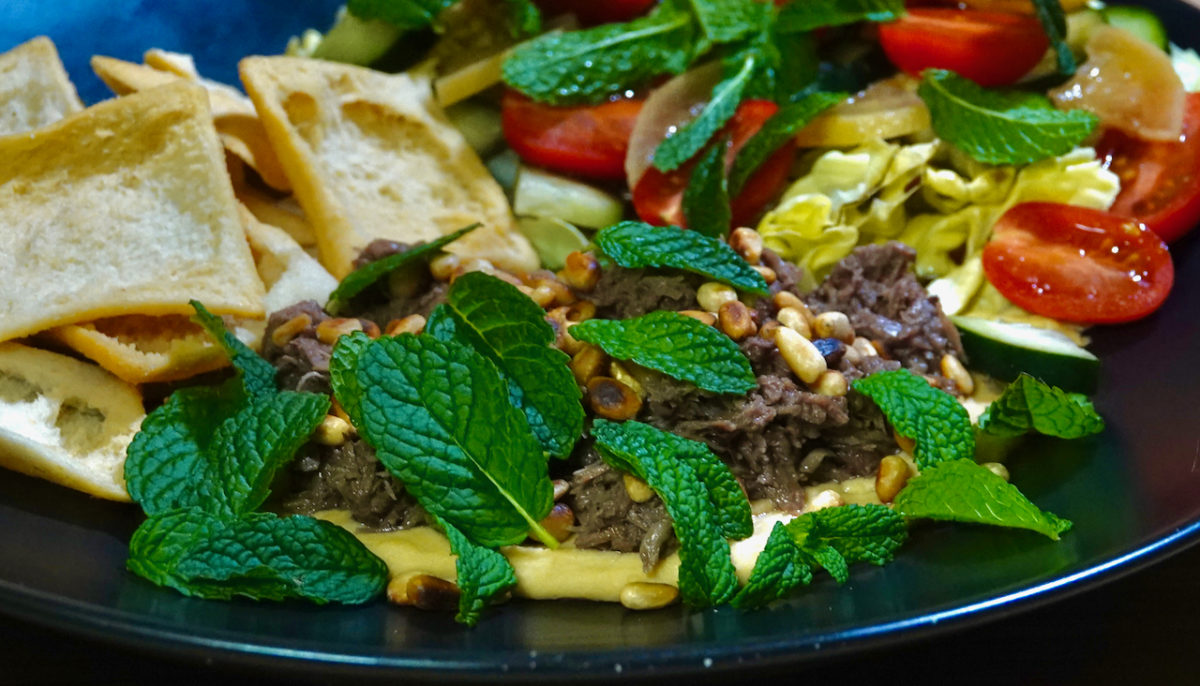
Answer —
371 155
34 88
125 208
284 213
290 274
65 420
233 114
178 63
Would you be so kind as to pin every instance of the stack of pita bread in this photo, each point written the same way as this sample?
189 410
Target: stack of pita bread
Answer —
114 217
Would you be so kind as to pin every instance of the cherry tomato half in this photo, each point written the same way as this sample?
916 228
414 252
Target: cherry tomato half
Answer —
990 48
592 12
588 140
1078 264
658 195
1160 182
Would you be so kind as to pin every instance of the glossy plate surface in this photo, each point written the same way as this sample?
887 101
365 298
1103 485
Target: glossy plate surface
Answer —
1133 493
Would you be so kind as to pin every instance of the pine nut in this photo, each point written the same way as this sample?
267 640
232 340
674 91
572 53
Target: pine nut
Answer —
735 320
712 295
588 363
998 469
831 382
543 295
620 373
332 431
431 593
767 273
444 266
639 491
864 347
612 399
581 311
795 320
330 330
825 499
700 315
413 323
559 294
285 332
906 444
784 299
403 283
559 522
747 243
833 325
892 475
475 264
338 411
645 595
955 371
768 329
561 486
581 271
801 355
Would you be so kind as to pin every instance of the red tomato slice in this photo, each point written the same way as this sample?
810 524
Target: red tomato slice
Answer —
597 11
588 140
658 196
990 48
1078 264
1160 182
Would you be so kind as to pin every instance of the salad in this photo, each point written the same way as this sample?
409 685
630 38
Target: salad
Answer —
779 375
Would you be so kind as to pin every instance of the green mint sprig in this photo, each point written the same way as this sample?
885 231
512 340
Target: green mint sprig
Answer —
962 491
815 14
933 418
1054 23
200 467
1028 404
1000 127
706 573
505 326
778 130
635 245
482 574
369 274
706 198
676 345
832 539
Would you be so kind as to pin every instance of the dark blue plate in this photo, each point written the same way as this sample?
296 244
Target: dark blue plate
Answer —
1133 493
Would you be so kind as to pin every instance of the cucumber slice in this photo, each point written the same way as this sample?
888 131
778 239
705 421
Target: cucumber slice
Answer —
1004 350
1139 21
553 239
542 194
355 41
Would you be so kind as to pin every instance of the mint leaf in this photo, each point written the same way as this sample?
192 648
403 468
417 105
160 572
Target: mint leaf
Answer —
1031 405
780 568
161 541
815 14
587 66
726 494
505 326
438 416
932 418
266 557
962 491
526 18
778 130
482 574
343 371
1054 23
725 21
404 14
257 374
635 244
254 443
367 275
678 346
706 573
1000 127
692 137
860 533
706 197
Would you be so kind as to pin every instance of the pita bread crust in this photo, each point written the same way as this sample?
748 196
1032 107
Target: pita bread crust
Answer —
34 88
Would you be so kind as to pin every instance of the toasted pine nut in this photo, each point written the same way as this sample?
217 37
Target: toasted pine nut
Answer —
747 243
767 273
444 266
612 399
906 444
700 315
645 595
833 325
330 330
998 469
891 476
559 522
831 382
825 499
864 347
332 431
475 264
795 320
588 363
431 593
639 491
784 299
581 311
543 295
768 329
288 330
561 486
735 320
955 371
581 271
620 373
338 411
801 355
712 295
413 323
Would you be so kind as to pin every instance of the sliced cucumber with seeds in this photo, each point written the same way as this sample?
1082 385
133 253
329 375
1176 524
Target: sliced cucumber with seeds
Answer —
1004 350
1139 21
542 194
